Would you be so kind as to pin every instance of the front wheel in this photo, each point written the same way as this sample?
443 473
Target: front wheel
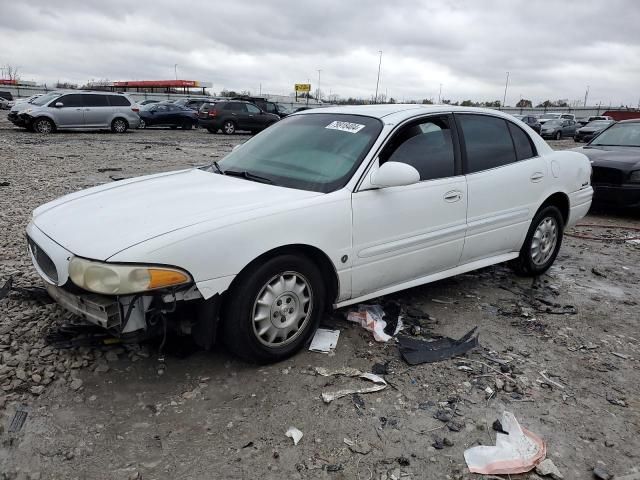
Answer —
142 124
542 242
273 310
558 136
187 125
43 125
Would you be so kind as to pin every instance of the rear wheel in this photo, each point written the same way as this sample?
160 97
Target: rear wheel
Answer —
173 127
228 127
43 125
211 130
542 242
273 310
187 125
142 124
119 125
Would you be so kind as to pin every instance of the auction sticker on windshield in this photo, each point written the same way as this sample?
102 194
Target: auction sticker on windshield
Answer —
345 126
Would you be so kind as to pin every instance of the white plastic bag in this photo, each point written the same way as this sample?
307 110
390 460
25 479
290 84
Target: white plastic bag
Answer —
518 452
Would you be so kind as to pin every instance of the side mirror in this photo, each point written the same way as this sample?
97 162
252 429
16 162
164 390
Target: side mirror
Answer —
395 174
59 105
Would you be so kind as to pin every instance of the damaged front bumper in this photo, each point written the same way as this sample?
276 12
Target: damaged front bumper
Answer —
120 314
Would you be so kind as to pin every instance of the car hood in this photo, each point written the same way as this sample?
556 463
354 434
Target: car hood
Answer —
101 221
623 158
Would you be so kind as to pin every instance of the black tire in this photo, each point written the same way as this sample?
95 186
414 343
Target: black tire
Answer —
526 264
211 130
43 125
238 327
229 127
119 125
558 136
187 125
142 124
173 127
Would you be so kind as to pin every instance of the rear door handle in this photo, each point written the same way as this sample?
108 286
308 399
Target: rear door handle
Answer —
536 177
453 196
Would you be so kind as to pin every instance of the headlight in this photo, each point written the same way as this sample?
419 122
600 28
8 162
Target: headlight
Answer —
114 279
635 176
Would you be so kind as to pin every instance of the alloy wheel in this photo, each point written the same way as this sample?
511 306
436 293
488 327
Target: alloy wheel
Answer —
544 241
282 309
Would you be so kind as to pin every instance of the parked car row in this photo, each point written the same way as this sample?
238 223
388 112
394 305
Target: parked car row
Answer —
557 126
91 110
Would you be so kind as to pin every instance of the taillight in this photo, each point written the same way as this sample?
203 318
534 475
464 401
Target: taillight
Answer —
135 109
213 113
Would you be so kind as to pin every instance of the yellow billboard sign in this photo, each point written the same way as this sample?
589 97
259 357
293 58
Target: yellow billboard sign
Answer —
303 87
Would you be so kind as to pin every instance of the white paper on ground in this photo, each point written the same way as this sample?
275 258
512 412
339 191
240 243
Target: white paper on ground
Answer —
294 434
518 452
324 340
378 382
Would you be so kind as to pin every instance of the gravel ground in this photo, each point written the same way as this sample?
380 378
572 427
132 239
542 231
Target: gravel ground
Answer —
119 413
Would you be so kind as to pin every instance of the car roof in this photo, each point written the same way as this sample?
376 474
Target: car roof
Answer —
398 112
631 120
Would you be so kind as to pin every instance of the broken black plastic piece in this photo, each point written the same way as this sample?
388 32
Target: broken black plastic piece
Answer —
416 351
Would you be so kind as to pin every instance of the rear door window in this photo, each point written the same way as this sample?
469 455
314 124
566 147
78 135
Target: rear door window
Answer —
119 101
73 100
95 101
253 109
487 142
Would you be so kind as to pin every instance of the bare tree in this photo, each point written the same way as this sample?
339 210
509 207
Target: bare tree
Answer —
11 72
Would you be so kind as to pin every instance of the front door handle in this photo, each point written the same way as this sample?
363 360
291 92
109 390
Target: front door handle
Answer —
453 196
536 177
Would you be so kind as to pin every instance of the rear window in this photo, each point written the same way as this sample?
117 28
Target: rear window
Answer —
522 142
119 101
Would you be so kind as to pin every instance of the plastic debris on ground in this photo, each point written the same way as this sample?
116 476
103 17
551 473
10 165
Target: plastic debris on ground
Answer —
416 351
19 418
324 341
294 434
518 451
378 382
370 318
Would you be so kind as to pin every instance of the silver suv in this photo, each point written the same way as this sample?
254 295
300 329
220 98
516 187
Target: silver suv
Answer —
80 110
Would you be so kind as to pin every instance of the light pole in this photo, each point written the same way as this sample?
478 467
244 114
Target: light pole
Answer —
175 70
375 100
440 95
318 89
504 99
586 94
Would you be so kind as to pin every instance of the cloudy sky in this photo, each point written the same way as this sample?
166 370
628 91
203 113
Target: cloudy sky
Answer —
553 49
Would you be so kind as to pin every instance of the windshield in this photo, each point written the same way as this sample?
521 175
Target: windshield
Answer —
621 134
552 123
45 98
550 115
283 109
317 152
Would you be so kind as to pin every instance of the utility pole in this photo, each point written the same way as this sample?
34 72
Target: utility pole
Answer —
375 100
175 70
260 90
318 89
586 94
504 98
440 95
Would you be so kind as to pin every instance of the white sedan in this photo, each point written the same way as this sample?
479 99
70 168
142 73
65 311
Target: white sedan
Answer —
324 209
